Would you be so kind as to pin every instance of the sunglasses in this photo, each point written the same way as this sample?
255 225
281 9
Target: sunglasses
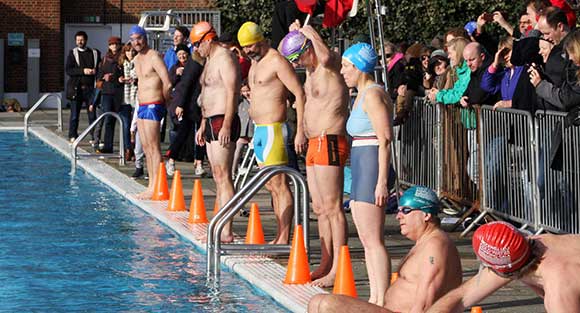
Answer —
197 43
424 57
388 55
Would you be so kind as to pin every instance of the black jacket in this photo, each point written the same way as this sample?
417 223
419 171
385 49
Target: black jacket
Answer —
474 92
396 78
187 91
75 70
110 65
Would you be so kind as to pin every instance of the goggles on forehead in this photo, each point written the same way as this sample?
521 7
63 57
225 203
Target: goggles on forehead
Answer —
293 57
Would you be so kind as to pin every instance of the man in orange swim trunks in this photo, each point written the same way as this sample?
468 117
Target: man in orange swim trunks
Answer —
325 114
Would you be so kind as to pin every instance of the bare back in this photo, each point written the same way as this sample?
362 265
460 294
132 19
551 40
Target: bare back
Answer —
268 91
220 68
438 253
151 74
326 108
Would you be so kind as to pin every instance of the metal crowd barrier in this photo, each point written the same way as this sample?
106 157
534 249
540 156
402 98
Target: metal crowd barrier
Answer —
418 151
558 173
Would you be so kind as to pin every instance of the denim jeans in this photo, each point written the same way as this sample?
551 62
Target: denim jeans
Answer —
126 114
108 105
84 97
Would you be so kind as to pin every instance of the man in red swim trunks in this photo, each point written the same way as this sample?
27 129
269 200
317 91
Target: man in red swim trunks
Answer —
153 93
548 264
220 124
325 114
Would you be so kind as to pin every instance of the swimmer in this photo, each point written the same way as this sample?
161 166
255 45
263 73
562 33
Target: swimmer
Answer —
430 269
153 93
548 264
325 114
220 125
269 77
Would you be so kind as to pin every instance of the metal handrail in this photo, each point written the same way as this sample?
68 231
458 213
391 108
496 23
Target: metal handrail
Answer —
232 207
37 104
75 144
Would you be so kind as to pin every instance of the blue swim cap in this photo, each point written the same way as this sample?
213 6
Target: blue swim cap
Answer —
136 29
362 55
422 198
470 27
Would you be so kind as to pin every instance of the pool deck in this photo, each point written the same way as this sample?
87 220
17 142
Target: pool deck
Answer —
265 273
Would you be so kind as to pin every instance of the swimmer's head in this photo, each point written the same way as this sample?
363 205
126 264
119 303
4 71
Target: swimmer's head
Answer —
502 248
251 39
138 37
294 44
419 198
417 212
363 56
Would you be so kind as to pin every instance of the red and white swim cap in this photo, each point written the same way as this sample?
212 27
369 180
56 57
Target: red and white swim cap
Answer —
500 246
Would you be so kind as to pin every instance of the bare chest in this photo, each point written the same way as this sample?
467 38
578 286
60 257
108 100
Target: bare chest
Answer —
262 76
210 75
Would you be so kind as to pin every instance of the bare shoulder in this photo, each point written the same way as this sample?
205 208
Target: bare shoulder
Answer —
153 55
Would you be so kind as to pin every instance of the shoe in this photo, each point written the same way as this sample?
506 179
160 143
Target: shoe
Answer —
138 172
101 146
72 139
199 171
170 167
129 156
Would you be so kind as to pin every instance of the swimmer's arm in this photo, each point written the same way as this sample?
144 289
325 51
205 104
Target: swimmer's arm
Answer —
161 70
469 293
323 54
379 109
431 279
230 75
289 78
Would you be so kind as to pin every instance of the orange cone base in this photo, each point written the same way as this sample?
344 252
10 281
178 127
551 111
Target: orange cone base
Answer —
160 190
197 214
255 232
344 280
298 271
176 198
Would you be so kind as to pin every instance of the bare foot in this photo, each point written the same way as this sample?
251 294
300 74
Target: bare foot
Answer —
224 239
326 281
145 195
320 272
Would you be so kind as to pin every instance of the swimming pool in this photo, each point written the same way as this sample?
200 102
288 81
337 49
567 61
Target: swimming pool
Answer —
69 243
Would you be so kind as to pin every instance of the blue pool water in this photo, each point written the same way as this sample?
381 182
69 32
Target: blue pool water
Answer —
70 244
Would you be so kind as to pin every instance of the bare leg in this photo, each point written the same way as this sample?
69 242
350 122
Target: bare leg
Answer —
369 221
149 136
282 198
220 159
338 303
239 146
325 186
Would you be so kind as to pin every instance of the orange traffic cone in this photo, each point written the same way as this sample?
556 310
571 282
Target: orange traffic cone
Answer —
160 190
476 309
298 271
176 199
197 208
255 233
394 277
344 280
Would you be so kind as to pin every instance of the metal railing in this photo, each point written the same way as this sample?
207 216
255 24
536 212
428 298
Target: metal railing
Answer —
36 105
121 155
244 169
215 249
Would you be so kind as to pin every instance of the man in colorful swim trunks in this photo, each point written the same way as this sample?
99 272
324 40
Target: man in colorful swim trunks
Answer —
153 92
548 264
325 114
430 269
269 79
220 125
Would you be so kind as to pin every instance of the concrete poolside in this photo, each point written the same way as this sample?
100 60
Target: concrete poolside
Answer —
512 298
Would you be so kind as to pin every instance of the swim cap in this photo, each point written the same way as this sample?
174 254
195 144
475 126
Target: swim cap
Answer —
362 55
500 246
470 27
293 45
421 198
138 30
249 34
202 31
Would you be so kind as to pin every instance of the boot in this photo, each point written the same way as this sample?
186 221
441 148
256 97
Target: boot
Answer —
129 155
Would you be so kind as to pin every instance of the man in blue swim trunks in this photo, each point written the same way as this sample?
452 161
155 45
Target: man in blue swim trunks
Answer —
153 92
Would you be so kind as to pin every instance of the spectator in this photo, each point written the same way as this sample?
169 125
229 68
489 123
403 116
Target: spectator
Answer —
180 36
81 67
414 82
479 35
453 95
552 25
129 96
437 72
370 126
247 125
109 74
545 47
395 69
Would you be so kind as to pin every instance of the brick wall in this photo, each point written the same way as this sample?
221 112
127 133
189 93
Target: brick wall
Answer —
45 19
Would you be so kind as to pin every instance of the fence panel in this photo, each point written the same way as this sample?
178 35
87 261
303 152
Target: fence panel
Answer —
558 173
417 148
508 163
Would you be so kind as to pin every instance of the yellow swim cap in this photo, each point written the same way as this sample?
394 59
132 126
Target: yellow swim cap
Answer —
249 34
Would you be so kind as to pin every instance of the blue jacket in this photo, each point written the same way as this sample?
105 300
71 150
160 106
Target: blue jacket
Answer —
170 57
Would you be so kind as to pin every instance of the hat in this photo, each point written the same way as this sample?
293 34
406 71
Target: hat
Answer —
422 198
138 30
202 31
362 56
501 247
293 45
114 39
439 52
470 27
249 34
182 47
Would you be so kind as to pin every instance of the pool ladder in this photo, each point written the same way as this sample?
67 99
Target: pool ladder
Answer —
36 105
215 249
121 155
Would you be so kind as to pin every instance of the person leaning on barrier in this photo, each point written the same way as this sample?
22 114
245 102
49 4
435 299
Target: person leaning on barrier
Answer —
429 270
548 264
459 65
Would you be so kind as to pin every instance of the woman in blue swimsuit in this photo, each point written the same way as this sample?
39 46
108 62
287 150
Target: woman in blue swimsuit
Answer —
370 125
